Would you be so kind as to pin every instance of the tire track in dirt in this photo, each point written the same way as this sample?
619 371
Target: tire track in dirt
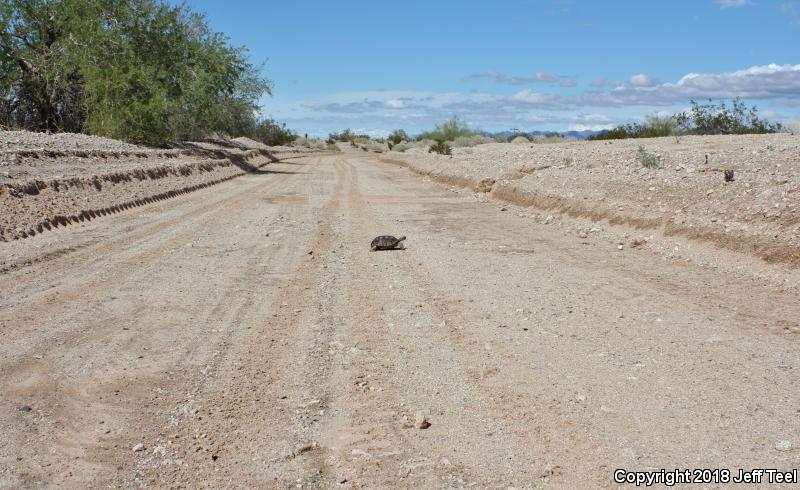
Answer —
261 394
24 376
131 240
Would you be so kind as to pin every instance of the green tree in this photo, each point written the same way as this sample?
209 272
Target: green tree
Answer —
139 70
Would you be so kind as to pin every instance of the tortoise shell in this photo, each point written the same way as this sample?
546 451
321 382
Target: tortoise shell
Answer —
386 242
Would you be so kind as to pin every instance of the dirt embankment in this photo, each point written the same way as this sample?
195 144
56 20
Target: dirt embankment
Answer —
48 181
757 213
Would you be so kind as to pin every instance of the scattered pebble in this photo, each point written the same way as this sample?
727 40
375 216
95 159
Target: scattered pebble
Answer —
784 445
421 419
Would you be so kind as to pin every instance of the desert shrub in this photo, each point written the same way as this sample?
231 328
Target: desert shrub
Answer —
269 132
647 159
469 141
449 131
701 119
719 119
654 126
441 147
332 147
348 136
398 136
520 140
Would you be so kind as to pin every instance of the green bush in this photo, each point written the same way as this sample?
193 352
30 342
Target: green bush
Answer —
441 147
705 119
269 132
398 136
719 119
449 131
647 159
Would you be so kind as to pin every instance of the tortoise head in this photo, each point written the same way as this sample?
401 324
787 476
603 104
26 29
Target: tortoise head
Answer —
400 239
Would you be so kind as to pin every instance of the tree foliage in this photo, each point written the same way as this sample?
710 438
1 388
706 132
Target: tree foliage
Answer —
138 70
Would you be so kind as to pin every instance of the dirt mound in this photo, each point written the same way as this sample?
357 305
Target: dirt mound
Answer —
47 181
758 212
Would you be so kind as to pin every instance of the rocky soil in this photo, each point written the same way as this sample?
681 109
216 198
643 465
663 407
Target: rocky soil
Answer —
245 336
757 213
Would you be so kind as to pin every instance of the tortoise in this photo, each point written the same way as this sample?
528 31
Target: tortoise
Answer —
387 242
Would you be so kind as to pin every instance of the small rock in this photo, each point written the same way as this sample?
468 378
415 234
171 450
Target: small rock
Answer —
421 419
138 447
24 409
783 445
159 451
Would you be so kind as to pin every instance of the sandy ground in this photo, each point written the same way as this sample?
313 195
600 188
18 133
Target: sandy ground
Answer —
244 336
757 213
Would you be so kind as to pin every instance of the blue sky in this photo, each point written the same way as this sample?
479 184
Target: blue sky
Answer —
529 64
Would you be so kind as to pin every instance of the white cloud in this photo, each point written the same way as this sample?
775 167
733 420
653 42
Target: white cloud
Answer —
528 108
642 80
538 77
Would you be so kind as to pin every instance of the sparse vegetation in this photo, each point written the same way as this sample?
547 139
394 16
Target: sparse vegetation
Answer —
520 140
348 136
398 136
719 119
450 130
441 147
701 119
655 126
647 159
269 132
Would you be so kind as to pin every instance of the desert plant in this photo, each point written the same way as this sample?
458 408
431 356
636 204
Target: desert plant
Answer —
719 119
520 140
449 131
441 147
647 159
269 132
398 136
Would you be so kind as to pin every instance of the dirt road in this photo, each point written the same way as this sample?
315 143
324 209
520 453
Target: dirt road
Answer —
245 336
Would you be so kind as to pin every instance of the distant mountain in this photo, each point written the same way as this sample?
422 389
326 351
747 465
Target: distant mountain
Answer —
581 135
